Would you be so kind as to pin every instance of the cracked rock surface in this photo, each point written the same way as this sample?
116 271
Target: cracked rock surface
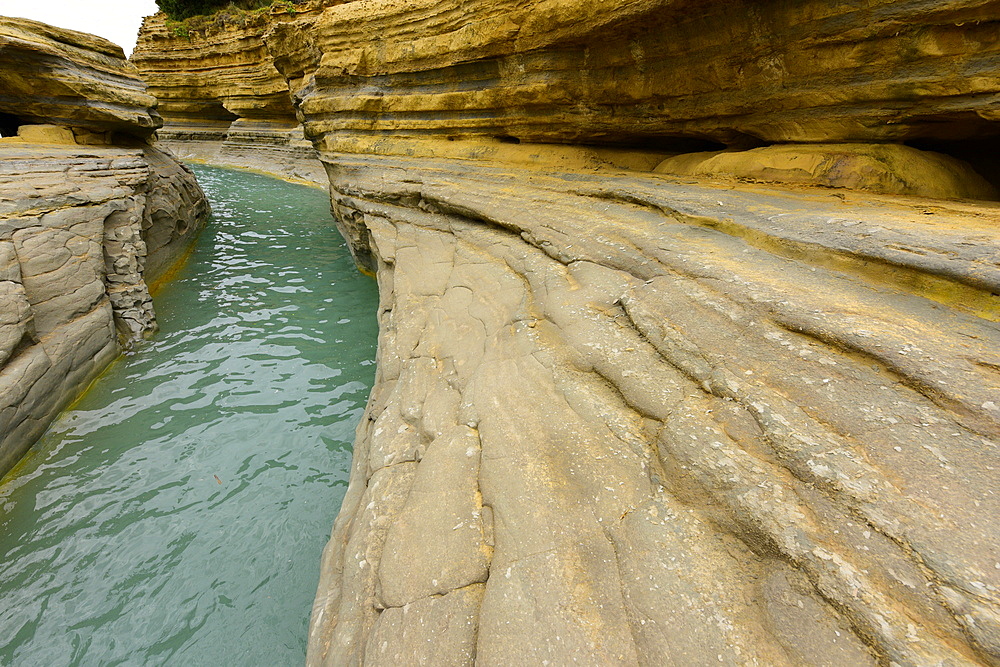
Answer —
624 418
90 215
83 231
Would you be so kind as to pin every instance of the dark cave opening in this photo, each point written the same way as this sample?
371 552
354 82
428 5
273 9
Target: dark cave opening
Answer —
982 153
966 136
9 124
682 145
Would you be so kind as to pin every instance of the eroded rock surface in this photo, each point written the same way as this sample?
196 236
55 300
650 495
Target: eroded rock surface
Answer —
69 78
583 72
627 418
879 168
90 215
221 97
619 419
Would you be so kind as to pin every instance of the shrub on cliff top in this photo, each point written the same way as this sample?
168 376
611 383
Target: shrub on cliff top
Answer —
179 10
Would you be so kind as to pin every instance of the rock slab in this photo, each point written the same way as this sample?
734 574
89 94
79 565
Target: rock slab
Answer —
623 419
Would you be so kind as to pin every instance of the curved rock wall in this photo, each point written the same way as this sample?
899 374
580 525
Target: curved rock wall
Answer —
628 418
90 215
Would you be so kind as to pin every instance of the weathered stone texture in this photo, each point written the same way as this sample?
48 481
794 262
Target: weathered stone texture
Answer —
662 423
879 168
705 424
69 78
220 70
628 418
638 70
82 233
90 214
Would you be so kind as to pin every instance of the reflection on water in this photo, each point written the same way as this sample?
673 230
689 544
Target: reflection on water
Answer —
177 513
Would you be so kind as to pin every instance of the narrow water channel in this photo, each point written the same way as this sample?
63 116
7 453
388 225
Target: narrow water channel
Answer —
177 513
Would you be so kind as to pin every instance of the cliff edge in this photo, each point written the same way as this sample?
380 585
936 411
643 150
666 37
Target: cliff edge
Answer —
91 213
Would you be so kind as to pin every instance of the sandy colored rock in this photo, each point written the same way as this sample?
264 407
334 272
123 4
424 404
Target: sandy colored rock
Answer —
627 418
879 168
85 224
642 71
706 427
45 134
643 77
219 71
216 82
82 230
69 78
400 636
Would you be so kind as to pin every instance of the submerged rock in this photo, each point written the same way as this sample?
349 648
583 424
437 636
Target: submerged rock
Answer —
90 215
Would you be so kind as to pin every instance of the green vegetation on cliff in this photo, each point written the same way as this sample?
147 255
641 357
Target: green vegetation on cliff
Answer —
182 9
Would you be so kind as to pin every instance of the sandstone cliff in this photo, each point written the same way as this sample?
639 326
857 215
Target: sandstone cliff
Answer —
220 95
624 417
646 73
90 214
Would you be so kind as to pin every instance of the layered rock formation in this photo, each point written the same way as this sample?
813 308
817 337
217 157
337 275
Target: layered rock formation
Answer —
90 214
628 419
624 417
645 72
71 79
220 95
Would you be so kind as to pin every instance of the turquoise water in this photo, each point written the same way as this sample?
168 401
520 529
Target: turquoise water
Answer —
176 514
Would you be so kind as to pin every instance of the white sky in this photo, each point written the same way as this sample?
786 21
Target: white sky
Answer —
117 20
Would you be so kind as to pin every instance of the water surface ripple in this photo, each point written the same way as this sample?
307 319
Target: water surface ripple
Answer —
177 513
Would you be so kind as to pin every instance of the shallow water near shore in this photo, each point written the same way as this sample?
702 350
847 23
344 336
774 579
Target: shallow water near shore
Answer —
177 513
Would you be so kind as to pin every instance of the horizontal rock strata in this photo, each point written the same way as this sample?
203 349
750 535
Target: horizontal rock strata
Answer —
83 231
90 215
221 97
271 147
69 78
625 419
640 70
220 71
632 419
